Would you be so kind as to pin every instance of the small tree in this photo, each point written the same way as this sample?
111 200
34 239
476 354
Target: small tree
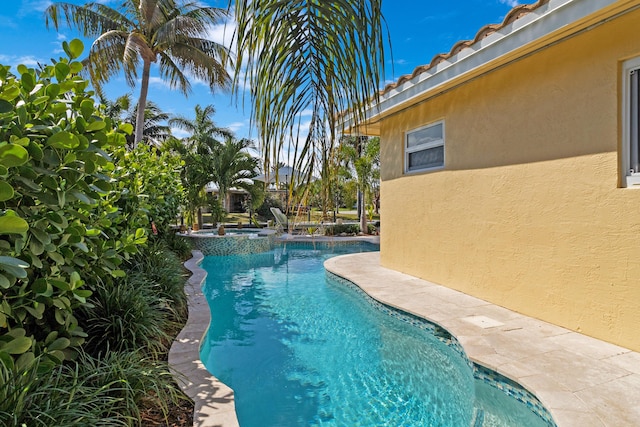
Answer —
233 166
169 33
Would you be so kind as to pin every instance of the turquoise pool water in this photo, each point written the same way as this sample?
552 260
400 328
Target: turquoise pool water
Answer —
301 350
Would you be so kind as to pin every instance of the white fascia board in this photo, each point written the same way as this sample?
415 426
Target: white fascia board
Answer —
533 26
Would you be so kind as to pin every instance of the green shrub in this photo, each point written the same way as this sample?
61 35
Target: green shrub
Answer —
351 229
58 227
264 211
218 214
161 270
148 187
135 381
124 316
33 396
337 229
74 204
179 245
138 311
104 391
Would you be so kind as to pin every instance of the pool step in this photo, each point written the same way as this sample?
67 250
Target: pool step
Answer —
478 417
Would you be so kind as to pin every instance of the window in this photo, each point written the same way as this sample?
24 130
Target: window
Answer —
631 121
424 148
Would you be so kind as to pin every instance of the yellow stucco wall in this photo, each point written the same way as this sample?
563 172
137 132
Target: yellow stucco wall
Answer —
527 213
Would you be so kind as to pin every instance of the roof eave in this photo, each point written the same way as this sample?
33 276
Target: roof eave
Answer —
540 27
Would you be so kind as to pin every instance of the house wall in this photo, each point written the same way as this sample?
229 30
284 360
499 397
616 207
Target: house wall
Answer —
527 213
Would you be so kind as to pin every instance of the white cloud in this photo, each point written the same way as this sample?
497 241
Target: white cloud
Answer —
223 33
510 3
61 37
236 126
14 61
29 6
158 81
180 133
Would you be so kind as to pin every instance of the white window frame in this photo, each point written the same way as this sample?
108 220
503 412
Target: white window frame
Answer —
630 178
421 147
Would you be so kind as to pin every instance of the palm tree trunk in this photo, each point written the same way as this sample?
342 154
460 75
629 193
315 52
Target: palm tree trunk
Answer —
142 102
363 216
200 221
222 194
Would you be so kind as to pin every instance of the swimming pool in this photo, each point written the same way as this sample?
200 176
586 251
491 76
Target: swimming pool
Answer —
303 350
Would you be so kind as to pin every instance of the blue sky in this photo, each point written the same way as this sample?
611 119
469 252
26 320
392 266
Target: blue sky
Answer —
419 29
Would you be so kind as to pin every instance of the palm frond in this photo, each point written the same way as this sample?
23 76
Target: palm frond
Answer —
319 55
92 19
106 58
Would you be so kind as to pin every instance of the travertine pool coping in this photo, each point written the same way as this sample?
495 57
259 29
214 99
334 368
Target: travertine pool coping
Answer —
582 381
213 400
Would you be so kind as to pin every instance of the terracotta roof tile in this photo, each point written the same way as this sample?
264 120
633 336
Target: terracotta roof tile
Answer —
514 14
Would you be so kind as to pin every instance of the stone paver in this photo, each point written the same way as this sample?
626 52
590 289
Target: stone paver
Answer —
581 380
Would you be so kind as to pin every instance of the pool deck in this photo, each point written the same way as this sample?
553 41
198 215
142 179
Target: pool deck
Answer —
582 381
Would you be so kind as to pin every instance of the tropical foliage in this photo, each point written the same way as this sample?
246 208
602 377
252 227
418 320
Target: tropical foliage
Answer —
196 151
207 158
56 205
301 56
359 158
169 33
77 214
204 133
233 166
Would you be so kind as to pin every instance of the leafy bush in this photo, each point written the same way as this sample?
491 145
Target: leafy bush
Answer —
74 204
55 207
337 229
218 214
33 396
75 212
136 381
181 246
148 186
104 391
127 316
161 270
352 229
264 211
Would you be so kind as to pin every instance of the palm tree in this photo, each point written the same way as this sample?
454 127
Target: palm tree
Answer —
117 108
122 109
322 56
198 151
153 129
233 166
202 128
361 155
167 32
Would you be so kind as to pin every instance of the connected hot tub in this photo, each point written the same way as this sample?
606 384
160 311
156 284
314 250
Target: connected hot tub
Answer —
234 242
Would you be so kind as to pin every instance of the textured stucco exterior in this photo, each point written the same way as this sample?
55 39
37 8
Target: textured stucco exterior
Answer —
528 212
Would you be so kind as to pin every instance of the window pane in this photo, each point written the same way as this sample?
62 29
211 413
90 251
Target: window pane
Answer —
425 159
424 136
